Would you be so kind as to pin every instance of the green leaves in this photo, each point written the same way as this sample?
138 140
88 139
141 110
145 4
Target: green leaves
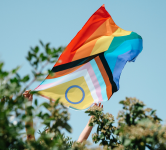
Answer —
41 42
31 55
4 74
39 59
36 103
128 120
15 70
68 128
47 49
102 136
42 57
138 128
25 78
36 50
105 128
152 112
127 142
46 105
1 65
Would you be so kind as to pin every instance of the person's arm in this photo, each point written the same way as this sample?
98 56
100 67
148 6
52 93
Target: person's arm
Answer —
85 133
87 130
30 123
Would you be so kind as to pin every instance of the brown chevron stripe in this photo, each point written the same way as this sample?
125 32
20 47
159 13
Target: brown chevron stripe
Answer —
109 73
105 76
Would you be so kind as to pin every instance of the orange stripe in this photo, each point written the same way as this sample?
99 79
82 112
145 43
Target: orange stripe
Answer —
105 77
85 50
106 29
98 18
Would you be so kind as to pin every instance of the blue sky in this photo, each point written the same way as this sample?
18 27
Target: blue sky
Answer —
24 23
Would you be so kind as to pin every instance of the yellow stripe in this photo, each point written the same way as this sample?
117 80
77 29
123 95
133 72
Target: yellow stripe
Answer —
104 42
121 32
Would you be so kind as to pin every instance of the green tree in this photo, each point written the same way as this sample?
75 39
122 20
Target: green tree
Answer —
138 127
17 113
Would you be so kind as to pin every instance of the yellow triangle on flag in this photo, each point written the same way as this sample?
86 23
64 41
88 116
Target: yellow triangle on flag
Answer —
74 93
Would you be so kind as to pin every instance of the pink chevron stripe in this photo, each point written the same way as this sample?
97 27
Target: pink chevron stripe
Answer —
93 78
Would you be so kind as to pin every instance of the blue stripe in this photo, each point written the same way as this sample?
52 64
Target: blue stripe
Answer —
100 79
134 44
120 63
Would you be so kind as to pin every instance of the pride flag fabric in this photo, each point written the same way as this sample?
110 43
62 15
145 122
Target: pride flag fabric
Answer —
89 69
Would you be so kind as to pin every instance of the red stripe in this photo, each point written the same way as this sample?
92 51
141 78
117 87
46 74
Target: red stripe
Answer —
98 18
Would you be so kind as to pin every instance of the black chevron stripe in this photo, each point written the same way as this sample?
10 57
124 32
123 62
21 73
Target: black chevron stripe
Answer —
73 63
109 73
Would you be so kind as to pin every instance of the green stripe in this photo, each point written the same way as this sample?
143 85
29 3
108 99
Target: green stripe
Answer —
119 40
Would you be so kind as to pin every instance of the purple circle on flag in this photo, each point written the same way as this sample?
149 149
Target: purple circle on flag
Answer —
76 87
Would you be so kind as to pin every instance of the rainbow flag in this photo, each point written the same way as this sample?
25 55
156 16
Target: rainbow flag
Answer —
89 69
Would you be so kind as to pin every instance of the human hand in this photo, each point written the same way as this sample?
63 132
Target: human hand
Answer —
28 95
99 105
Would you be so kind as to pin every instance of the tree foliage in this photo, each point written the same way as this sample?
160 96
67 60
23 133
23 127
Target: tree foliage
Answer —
138 127
17 113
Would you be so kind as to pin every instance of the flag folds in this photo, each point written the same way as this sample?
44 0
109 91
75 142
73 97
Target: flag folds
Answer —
89 69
